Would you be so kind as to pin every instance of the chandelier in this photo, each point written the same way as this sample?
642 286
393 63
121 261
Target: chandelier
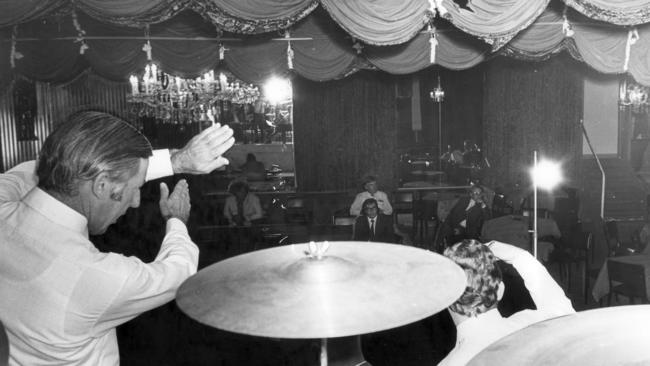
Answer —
633 94
167 93
437 94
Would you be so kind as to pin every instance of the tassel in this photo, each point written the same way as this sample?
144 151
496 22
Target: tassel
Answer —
80 34
433 43
147 47
15 55
222 52
632 37
287 36
567 29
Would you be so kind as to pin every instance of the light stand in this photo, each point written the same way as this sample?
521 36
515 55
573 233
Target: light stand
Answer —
545 175
535 205
438 95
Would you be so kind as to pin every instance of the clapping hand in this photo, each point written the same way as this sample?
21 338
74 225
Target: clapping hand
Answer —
176 204
203 153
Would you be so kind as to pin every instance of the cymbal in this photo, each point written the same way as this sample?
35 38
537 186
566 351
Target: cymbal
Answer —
607 336
4 347
355 288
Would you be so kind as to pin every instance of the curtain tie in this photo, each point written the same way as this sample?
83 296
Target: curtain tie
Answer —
632 37
147 46
15 55
287 36
433 43
567 29
435 6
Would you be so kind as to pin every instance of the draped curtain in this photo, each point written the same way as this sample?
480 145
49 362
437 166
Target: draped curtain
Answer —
344 130
317 39
517 119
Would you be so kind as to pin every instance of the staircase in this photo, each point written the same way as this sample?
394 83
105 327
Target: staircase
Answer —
625 190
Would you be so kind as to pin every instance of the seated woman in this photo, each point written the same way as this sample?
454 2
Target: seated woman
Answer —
242 208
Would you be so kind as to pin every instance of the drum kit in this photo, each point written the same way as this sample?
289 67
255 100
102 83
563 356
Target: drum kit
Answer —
337 291
4 347
333 291
607 336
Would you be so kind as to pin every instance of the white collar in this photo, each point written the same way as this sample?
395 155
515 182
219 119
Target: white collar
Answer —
56 211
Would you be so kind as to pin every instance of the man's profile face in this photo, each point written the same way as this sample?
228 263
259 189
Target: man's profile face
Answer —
110 209
372 211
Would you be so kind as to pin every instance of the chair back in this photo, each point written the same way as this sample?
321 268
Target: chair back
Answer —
344 220
296 202
632 276
403 199
298 210
500 206
610 229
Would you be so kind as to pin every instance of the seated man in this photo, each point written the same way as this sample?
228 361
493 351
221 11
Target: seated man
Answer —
371 191
466 218
478 321
373 226
241 207
252 169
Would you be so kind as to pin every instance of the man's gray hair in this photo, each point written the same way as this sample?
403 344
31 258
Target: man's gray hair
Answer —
87 144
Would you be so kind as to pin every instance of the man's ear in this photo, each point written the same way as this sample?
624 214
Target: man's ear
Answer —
500 291
101 185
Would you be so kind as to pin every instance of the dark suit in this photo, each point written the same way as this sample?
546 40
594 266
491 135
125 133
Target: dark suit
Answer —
474 218
384 232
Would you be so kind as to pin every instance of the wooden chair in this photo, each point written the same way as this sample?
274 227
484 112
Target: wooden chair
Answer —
404 203
628 280
615 245
298 210
343 227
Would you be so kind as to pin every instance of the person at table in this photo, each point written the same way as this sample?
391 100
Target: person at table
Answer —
371 190
475 314
252 169
373 226
61 298
466 218
242 207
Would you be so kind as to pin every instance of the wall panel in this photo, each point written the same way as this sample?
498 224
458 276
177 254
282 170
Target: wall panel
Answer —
55 103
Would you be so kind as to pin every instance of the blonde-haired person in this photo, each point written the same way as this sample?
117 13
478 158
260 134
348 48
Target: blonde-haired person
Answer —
478 321
371 190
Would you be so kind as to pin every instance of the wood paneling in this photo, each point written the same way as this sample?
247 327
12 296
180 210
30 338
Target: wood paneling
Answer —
54 104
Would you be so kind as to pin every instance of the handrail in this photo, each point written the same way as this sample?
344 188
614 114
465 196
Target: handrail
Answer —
602 171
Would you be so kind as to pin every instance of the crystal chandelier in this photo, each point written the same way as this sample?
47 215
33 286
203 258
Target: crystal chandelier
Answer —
633 94
166 93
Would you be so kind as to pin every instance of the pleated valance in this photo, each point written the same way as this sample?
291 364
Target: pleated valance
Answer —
55 40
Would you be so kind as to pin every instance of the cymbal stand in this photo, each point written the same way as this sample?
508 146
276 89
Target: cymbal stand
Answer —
342 351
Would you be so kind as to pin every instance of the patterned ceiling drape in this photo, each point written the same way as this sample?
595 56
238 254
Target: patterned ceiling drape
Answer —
621 12
317 39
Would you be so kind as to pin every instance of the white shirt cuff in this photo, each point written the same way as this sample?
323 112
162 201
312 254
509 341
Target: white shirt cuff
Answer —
160 165
177 225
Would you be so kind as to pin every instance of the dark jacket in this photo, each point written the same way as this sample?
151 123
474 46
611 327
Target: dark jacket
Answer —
384 232
474 217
